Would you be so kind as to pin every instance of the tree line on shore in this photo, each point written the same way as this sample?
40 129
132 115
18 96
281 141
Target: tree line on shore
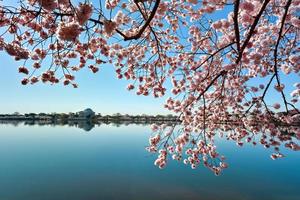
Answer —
82 116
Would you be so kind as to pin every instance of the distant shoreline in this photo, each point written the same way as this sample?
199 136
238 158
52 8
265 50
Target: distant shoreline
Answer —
94 118
89 116
87 123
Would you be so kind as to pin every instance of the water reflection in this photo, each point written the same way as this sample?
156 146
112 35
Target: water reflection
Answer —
197 148
60 162
86 125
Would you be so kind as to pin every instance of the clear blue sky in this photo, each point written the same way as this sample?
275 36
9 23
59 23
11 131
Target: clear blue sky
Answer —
102 92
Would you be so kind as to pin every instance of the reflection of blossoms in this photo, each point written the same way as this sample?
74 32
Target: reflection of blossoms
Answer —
69 31
167 143
197 148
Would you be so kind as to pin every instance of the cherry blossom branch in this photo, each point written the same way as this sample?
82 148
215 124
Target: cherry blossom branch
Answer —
222 73
252 30
286 9
213 54
236 24
140 32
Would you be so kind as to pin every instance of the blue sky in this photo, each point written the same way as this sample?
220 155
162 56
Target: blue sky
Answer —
102 92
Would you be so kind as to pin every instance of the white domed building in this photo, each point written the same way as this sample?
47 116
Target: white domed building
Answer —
87 113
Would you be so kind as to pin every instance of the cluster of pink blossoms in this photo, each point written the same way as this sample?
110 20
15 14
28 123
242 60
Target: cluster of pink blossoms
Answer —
68 32
50 5
200 151
109 27
16 51
83 13
111 4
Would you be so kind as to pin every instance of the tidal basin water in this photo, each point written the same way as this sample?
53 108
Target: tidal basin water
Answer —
109 162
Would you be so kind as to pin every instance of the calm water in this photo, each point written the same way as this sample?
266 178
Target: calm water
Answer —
56 163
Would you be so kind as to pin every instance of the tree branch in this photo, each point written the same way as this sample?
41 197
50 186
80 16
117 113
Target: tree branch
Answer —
236 24
138 35
252 29
286 8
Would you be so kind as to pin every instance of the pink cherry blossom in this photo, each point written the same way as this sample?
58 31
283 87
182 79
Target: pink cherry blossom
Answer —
68 32
109 27
83 13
